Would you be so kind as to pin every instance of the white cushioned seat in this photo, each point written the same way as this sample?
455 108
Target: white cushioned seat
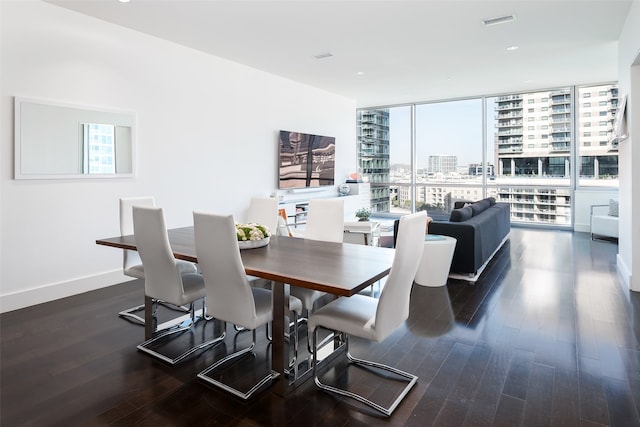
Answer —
603 223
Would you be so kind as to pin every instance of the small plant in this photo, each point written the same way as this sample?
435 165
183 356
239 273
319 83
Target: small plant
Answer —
363 214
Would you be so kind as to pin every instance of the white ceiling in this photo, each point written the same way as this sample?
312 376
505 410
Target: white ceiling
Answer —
407 50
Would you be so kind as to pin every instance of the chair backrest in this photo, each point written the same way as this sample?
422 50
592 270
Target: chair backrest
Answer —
161 274
130 258
126 212
229 296
325 220
393 306
264 211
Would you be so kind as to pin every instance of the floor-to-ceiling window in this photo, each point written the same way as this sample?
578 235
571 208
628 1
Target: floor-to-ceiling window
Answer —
531 134
519 148
449 158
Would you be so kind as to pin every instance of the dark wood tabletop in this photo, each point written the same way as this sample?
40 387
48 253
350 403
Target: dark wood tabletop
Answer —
339 268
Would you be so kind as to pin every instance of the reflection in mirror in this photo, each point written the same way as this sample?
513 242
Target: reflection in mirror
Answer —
54 140
106 148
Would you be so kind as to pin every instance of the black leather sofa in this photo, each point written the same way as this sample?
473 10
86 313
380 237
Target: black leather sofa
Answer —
480 229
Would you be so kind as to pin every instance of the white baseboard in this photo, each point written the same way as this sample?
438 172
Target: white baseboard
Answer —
28 297
583 228
624 273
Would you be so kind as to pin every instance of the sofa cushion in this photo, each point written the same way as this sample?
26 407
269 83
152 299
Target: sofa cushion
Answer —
492 200
479 206
461 215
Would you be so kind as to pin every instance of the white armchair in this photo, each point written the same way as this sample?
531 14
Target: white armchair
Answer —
602 222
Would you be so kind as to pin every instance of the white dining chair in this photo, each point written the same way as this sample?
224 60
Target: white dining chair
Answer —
375 319
325 222
131 263
163 281
264 211
230 297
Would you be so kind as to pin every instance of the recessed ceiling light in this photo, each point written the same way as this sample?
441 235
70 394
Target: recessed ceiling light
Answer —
360 73
124 1
323 55
511 48
498 20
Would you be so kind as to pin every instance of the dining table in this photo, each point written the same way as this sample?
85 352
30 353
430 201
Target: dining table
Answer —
341 269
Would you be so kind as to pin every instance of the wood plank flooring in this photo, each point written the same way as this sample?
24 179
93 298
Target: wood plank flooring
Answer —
546 337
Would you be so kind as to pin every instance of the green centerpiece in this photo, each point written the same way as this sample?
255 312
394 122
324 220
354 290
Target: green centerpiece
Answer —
252 235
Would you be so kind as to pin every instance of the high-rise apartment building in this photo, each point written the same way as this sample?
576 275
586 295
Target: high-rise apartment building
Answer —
533 140
597 112
442 164
533 132
373 155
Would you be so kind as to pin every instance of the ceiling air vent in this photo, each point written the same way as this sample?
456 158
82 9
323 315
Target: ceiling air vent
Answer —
323 55
498 20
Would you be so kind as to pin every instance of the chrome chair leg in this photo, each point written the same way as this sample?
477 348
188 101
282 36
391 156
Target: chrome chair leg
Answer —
411 379
233 356
129 314
294 362
185 326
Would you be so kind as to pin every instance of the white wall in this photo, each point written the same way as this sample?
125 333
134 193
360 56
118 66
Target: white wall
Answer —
629 84
207 134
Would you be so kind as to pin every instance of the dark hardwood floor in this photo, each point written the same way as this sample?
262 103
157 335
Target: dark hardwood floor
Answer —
547 337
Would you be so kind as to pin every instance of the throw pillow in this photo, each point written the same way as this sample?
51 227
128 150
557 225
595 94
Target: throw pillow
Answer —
479 206
461 215
613 207
461 204
492 200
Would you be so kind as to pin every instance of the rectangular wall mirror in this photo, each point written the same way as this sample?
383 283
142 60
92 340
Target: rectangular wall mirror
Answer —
56 140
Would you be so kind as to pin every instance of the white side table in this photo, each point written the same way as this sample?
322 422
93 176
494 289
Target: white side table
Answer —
436 260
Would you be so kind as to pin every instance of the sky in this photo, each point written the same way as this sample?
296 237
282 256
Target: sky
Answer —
447 128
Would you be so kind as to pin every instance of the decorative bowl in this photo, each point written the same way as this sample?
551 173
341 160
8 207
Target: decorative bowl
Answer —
252 244
344 189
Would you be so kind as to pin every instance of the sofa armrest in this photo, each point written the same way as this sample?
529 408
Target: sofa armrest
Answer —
603 224
467 257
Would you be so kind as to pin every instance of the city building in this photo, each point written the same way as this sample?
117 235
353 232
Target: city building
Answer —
442 163
373 155
533 143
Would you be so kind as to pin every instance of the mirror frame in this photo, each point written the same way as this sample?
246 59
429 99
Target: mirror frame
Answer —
19 101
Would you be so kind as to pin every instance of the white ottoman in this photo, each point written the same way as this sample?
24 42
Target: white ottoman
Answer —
436 260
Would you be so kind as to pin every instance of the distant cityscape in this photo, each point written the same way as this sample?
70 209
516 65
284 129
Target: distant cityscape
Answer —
529 164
